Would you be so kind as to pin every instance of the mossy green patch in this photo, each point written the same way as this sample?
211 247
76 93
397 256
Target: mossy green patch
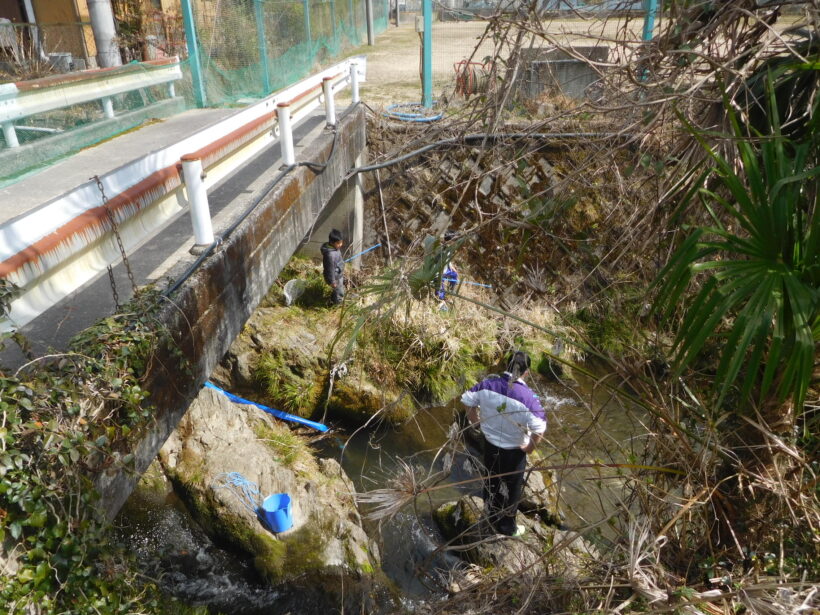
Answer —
291 385
290 448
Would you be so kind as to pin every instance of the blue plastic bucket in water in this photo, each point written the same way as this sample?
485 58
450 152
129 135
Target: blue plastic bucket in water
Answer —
275 512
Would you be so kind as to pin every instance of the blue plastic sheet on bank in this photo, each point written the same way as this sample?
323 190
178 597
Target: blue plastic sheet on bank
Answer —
277 413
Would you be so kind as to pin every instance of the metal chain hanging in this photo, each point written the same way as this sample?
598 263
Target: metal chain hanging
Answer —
115 228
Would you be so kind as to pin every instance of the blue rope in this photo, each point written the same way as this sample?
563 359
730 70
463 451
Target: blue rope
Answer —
242 488
277 413
347 260
476 284
409 117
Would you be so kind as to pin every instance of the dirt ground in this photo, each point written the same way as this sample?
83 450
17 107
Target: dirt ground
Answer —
393 64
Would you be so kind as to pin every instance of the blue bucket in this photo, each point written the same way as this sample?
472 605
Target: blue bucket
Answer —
275 512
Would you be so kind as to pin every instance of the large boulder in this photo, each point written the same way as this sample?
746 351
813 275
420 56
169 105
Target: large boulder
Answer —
541 550
463 525
282 355
326 550
540 497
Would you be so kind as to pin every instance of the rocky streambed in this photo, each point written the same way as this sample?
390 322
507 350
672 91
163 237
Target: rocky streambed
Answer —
194 529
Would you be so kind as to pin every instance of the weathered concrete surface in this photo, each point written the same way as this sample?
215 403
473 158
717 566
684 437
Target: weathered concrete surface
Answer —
209 310
559 72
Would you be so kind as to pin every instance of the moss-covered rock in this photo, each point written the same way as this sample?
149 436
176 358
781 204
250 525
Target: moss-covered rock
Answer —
326 547
355 400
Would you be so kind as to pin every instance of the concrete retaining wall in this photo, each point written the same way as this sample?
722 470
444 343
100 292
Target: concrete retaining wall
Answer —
559 72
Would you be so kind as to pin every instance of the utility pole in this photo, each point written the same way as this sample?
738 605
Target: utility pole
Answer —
105 33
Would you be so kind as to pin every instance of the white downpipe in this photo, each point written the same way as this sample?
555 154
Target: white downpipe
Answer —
330 104
108 107
354 82
198 201
286 134
105 33
10 135
171 90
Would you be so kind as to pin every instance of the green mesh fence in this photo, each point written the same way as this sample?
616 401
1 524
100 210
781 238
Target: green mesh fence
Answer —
248 49
45 137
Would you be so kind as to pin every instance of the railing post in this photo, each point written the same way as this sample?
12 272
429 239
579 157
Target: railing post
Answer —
197 200
354 82
330 104
285 134
10 135
651 7
108 107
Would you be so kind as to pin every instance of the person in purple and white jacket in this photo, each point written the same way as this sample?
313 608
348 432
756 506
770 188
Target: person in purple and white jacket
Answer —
513 423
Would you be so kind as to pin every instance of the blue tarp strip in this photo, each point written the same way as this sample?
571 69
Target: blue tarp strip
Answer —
277 413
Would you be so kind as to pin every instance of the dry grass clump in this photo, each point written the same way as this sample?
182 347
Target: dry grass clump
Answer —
716 511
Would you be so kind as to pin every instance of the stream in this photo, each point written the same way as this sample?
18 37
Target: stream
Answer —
584 425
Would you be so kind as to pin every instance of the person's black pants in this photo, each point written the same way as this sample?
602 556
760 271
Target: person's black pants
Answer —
503 493
338 293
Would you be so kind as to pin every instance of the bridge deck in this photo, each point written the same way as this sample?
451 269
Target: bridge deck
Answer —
161 257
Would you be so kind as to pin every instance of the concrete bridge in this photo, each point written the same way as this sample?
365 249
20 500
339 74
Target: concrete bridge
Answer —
212 216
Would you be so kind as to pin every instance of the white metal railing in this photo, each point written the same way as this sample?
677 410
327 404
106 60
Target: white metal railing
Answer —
293 105
49 253
26 98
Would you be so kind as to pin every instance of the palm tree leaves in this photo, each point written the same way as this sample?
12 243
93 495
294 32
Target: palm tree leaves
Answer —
757 268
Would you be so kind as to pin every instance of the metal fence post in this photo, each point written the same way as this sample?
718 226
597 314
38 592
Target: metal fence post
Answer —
333 21
330 104
263 44
651 7
306 4
285 134
368 7
197 200
427 56
193 53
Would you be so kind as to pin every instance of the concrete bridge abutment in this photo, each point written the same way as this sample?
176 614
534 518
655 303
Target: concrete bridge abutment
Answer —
209 309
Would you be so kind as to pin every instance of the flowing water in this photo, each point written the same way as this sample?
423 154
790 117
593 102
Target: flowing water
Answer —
585 425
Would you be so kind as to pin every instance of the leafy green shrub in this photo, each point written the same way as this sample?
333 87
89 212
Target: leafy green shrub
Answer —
63 423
